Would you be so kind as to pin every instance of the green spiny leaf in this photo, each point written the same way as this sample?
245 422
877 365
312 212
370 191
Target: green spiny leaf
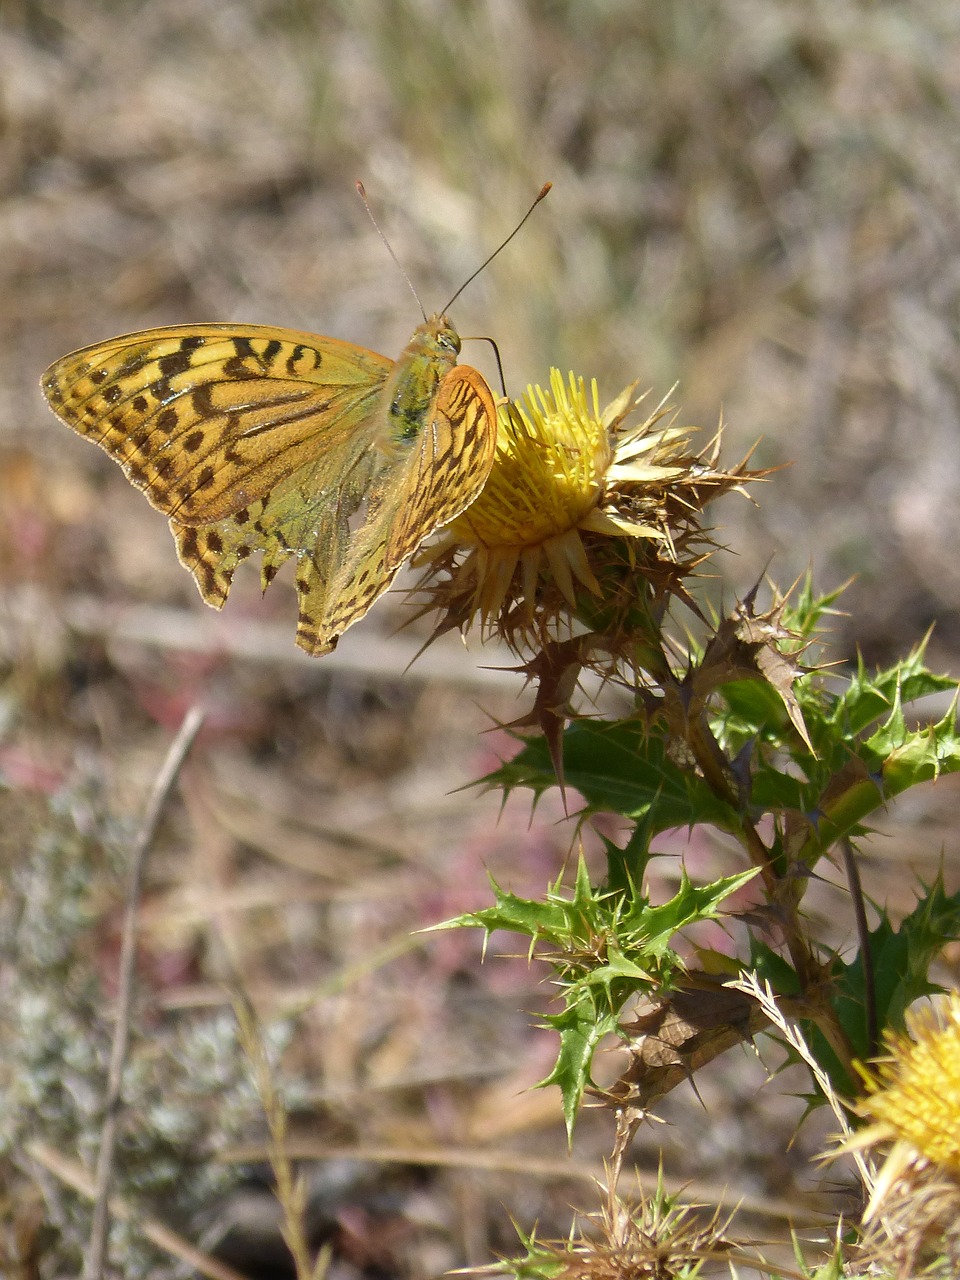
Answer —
620 768
581 1027
901 964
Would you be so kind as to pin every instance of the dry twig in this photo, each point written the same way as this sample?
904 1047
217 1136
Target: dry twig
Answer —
162 787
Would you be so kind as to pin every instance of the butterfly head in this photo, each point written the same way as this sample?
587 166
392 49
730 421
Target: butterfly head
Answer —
434 344
440 338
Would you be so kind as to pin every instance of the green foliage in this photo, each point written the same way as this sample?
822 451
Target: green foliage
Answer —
742 733
744 737
901 960
831 1269
605 947
901 963
539 1261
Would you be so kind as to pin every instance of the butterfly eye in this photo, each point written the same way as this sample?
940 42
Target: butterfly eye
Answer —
449 341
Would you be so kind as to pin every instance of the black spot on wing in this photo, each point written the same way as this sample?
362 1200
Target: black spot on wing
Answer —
201 401
235 367
176 362
188 543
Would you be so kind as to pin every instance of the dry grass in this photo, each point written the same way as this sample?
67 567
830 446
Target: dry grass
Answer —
756 200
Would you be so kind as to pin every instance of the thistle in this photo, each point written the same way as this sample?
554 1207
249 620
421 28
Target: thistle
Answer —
586 530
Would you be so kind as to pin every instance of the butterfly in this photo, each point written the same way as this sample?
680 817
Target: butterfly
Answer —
251 438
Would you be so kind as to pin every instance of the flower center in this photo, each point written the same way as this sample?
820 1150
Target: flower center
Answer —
552 454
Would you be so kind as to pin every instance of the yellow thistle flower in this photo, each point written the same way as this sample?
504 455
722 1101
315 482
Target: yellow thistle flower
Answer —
915 1092
577 508
914 1096
913 1102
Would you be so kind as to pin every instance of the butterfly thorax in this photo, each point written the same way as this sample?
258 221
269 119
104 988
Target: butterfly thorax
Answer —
412 386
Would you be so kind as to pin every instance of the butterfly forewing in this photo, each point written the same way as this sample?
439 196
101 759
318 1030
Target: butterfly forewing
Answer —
207 419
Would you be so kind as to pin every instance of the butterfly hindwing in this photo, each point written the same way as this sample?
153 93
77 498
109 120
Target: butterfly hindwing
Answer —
298 518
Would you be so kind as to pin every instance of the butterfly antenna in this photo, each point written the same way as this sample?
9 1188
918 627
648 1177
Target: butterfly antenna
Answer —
363 196
486 262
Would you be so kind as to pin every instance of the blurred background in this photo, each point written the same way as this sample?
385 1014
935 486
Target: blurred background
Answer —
755 202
